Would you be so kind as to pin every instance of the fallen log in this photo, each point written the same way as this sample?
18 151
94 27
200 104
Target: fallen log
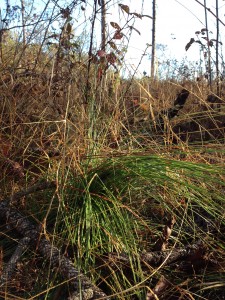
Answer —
204 126
172 112
193 253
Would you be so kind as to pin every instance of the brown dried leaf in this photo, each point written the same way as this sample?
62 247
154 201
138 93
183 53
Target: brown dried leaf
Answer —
199 42
132 28
203 30
115 25
68 28
162 242
14 168
6 146
125 8
111 58
189 44
118 35
137 15
210 43
101 53
113 45
65 13
160 287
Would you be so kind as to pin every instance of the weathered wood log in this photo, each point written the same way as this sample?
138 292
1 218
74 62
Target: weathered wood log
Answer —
81 286
204 126
173 111
192 253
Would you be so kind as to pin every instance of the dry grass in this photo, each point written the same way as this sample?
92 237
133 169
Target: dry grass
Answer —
53 123
48 111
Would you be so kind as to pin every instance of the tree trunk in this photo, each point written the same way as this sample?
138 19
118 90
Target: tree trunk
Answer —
153 38
103 24
217 50
209 71
23 22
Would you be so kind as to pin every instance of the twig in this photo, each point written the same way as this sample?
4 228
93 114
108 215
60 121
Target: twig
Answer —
9 269
41 185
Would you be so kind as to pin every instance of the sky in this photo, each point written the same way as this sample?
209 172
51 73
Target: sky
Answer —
176 24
